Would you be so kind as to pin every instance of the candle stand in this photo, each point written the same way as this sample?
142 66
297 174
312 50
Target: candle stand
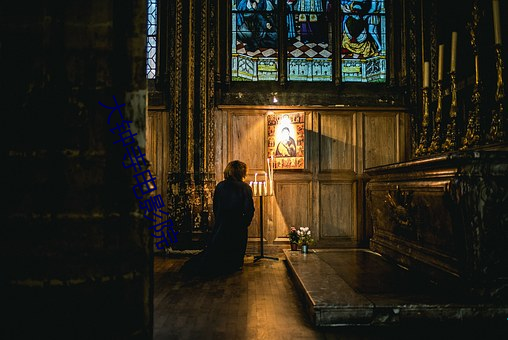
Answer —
450 142
497 133
261 240
472 135
422 147
435 145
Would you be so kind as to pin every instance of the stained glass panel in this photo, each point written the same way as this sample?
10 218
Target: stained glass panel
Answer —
254 40
151 39
363 41
309 28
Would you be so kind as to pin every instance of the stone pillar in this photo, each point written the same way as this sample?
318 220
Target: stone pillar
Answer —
75 251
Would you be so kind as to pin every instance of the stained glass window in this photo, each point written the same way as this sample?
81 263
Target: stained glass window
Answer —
151 39
309 37
363 41
319 37
254 40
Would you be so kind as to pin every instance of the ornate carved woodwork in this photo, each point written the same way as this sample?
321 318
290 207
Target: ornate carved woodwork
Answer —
191 168
446 215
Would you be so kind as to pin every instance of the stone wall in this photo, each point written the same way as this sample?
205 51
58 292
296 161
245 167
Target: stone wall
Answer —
75 252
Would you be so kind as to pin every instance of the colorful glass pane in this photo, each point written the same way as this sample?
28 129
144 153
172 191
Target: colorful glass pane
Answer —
363 41
151 39
254 40
309 28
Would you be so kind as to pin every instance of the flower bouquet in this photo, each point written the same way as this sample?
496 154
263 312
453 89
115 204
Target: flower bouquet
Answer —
305 238
293 238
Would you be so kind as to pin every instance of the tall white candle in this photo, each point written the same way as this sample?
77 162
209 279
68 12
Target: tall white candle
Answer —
269 171
255 187
271 176
255 177
426 74
453 60
440 62
497 22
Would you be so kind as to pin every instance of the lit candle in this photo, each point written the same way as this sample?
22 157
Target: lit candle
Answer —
426 74
497 22
255 177
440 62
453 61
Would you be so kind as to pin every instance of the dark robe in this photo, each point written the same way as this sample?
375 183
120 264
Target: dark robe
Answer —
233 208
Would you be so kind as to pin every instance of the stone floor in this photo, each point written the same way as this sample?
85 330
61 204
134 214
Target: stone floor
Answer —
262 302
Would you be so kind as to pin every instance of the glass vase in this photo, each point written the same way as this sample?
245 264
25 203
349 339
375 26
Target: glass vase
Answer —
305 248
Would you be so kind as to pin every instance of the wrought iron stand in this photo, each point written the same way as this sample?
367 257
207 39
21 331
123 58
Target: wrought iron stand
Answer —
262 254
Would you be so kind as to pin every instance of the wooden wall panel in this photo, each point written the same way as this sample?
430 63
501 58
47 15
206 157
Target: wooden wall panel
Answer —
293 207
380 139
336 210
327 195
336 142
157 145
247 142
254 225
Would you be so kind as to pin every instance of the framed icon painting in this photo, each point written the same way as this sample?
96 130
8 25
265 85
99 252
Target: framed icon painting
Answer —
286 140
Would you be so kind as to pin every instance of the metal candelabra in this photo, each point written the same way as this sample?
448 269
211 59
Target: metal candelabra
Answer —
422 146
450 142
435 144
497 133
472 136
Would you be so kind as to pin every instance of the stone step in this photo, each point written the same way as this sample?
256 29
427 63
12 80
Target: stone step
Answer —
348 287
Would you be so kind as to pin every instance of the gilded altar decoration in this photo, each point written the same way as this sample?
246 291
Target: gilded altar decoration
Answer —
472 136
401 206
450 142
496 133
286 140
435 145
422 146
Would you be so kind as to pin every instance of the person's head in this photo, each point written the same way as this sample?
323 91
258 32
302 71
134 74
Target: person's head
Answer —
235 170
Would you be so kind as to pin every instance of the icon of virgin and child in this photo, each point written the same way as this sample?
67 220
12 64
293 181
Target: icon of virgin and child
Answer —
287 146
